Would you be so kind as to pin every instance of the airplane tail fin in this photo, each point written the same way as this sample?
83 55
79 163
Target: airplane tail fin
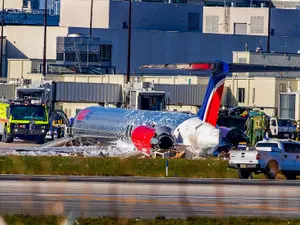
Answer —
212 100
213 96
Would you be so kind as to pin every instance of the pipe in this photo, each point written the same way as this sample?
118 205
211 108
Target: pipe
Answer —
1 52
129 41
56 143
45 39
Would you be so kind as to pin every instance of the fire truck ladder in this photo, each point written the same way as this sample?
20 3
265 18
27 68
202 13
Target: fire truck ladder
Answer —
78 57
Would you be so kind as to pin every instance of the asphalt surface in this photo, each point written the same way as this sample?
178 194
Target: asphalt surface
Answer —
148 197
17 144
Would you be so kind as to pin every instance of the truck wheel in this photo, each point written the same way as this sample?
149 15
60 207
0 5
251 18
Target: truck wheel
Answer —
243 174
290 176
40 140
292 136
6 137
271 170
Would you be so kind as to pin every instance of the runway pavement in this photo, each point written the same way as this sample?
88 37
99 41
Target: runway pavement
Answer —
17 144
148 197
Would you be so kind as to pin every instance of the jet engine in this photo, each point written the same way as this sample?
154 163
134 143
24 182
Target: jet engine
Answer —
146 138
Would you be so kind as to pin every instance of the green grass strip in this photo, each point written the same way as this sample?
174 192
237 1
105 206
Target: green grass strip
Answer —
80 166
47 220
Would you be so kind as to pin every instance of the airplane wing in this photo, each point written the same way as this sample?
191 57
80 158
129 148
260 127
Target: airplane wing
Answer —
220 67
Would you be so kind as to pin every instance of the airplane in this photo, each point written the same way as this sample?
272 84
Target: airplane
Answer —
152 130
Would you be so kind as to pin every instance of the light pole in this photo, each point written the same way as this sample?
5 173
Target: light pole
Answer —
129 42
1 52
91 18
269 27
45 39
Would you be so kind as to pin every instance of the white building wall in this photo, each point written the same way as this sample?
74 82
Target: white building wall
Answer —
76 13
12 4
148 16
156 16
28 41
287 4
215 20
284 22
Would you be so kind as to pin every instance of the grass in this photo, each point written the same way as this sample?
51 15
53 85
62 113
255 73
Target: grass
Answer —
80 166
95 166
47 220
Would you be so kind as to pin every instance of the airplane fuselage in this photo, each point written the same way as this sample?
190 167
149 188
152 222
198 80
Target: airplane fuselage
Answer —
99 123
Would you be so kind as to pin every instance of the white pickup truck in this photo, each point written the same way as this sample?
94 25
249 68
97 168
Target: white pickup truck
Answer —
269 157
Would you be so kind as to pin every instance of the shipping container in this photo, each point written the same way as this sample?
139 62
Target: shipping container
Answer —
183 94
87 92
8 91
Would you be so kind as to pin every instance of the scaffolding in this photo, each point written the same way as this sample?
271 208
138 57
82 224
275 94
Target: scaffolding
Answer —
226 17
78 56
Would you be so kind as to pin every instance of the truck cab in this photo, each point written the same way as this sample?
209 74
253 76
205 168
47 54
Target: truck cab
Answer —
143 96
26 119
283 128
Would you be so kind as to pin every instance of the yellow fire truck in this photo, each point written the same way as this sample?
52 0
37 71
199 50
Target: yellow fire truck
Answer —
26 119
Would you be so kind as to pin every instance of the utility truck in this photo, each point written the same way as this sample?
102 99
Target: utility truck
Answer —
269 157
282 128
141 95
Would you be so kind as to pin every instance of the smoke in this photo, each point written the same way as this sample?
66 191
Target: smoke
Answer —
118 148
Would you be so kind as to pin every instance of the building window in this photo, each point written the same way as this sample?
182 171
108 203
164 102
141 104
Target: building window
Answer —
93 57
194 23
70 57
253 95
60 56
25 3
242 60
125 25
240 28
105 53
241 96
282 87
272 32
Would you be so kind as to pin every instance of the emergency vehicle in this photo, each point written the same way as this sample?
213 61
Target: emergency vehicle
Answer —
26 119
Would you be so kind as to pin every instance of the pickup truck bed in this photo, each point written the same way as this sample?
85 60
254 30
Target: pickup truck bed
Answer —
248 160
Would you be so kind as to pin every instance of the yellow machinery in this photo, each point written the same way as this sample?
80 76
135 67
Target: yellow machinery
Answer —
26 119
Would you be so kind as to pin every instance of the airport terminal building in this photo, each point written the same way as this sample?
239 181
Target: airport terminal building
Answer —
161 33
